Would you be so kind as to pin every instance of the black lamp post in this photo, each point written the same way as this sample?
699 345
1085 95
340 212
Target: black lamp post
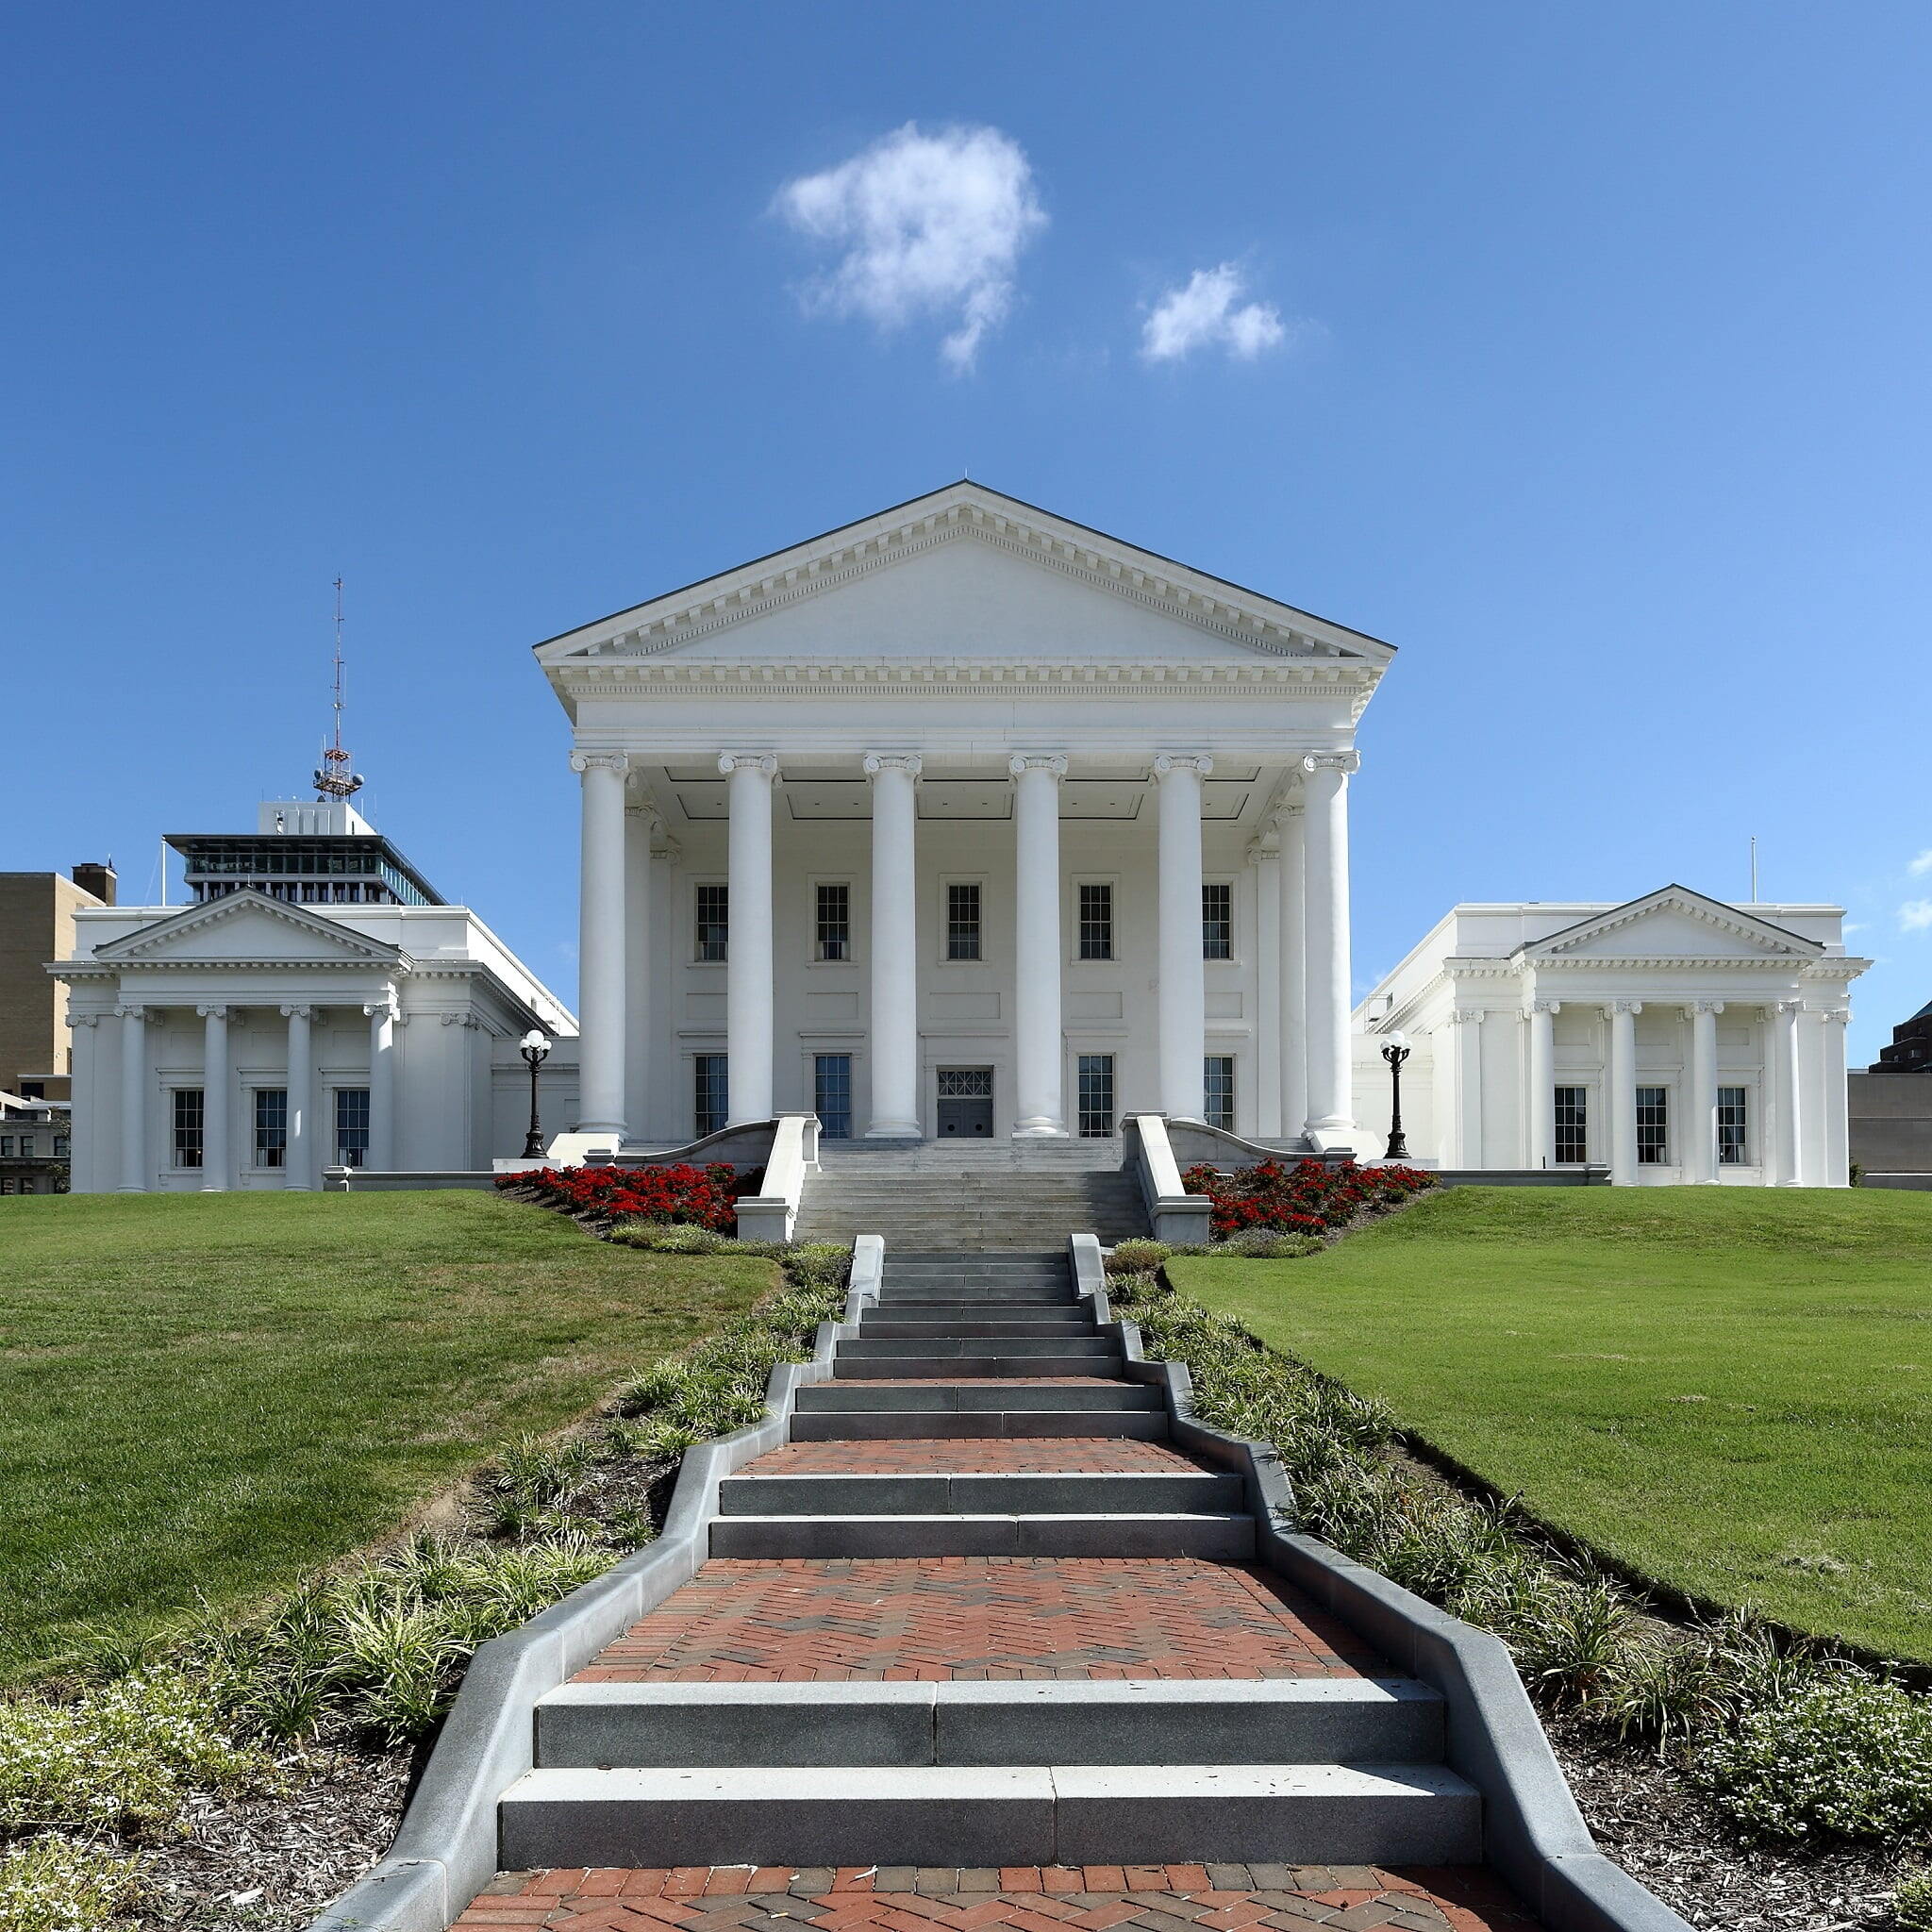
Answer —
1395 1053
535 1050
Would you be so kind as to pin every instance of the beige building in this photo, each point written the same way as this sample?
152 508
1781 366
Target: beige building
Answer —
37 911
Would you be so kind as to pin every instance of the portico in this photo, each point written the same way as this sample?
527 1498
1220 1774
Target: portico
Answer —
967 795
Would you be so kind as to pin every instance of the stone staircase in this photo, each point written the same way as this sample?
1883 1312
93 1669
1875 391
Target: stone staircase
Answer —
963 1198
979 1612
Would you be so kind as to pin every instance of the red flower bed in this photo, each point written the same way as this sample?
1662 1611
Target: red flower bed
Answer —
702 1196
1305 1198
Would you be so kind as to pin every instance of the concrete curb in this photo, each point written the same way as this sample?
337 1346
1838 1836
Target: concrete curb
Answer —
1533 1836
445 1849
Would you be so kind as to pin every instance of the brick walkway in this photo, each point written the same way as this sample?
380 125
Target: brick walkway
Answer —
988 1456
1093 1898
940 1618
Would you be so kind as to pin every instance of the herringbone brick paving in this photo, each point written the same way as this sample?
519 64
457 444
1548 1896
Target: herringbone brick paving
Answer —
940 1618
1027 1898
998 1456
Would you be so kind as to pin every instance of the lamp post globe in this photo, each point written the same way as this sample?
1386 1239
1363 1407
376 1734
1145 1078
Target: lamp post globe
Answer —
1395 1051
535 1050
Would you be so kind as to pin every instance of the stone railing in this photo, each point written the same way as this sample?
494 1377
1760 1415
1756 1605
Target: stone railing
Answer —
1176 1217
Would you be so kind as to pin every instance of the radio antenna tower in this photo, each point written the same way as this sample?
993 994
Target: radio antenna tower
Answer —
333 777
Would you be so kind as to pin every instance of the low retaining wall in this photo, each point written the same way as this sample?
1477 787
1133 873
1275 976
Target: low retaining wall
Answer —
1533 1836
444 1852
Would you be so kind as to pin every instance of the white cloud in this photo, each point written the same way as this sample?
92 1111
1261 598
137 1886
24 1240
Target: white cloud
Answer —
1915 915
1204 315
1920 865
927 224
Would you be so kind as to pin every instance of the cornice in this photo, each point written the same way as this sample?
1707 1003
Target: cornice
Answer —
360 949
1784 947
114 969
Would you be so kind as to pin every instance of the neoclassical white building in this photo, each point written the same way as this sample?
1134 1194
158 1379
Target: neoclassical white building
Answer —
964 819
1675 1038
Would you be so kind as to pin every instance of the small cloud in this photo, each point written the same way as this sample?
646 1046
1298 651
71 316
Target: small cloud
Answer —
1920 865
929 223
1205 315
1915 915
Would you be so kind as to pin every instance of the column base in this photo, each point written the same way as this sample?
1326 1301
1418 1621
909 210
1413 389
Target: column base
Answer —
1336 1136
894 1130
614 1128
1041 1130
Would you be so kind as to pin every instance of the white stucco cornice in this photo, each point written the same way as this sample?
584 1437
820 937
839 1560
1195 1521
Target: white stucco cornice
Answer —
964 513
1777 943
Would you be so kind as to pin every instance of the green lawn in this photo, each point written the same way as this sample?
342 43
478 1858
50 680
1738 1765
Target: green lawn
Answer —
209 1394
1730 1389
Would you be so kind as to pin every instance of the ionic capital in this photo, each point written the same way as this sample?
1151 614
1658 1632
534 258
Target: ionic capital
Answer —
1023 762
617 761
83 1019
1632 1007
1167 762
213 1011
1704 1007
1347 762
1546 1005
302 1012
1842 1015
1467 1016
907 761
131 1010
765 761
1789 1007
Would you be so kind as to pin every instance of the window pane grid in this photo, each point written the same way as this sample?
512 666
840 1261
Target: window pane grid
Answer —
713 921
962 921
832 1095
271 1127
1572 1123
1097 921
1217 921
1217 1085
1733 1118
190 1114
351 1127
835 922
712 1095
1653 1126
1095 1084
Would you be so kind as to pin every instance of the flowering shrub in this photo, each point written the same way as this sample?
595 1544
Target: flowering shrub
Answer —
57 1885
1302 1199
701 1196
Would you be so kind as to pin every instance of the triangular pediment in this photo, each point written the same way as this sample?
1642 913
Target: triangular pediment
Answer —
964 573
1674 923
245 929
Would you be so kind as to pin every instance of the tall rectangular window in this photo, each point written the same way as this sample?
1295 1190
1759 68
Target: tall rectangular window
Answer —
351 1127
1217 920
271 1127
713 921
1733 1123
1217 1089
1653 1126
713 1099
1096 1082
835 922
1573 1119
831 1094
1097 921
962 920
188 1118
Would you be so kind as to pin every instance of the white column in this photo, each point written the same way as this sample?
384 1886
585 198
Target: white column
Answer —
1540 1114
134 1176
1791 1134
639 826
382 1080
298 1158
1291 826
1700 1128
84 1139
1468 1085
1183 996
1331 1106
600 944
894 1021
748 962
1620 1082
217 1156
1834 1101
1039 1104
1265 857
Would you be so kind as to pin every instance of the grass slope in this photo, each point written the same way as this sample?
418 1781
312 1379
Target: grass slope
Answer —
210 1393
1729 1389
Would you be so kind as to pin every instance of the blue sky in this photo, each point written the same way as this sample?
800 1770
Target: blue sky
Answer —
1581 353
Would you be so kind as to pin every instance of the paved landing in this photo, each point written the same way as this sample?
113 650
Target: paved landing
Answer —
1091 1898
940 1618
983 1456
